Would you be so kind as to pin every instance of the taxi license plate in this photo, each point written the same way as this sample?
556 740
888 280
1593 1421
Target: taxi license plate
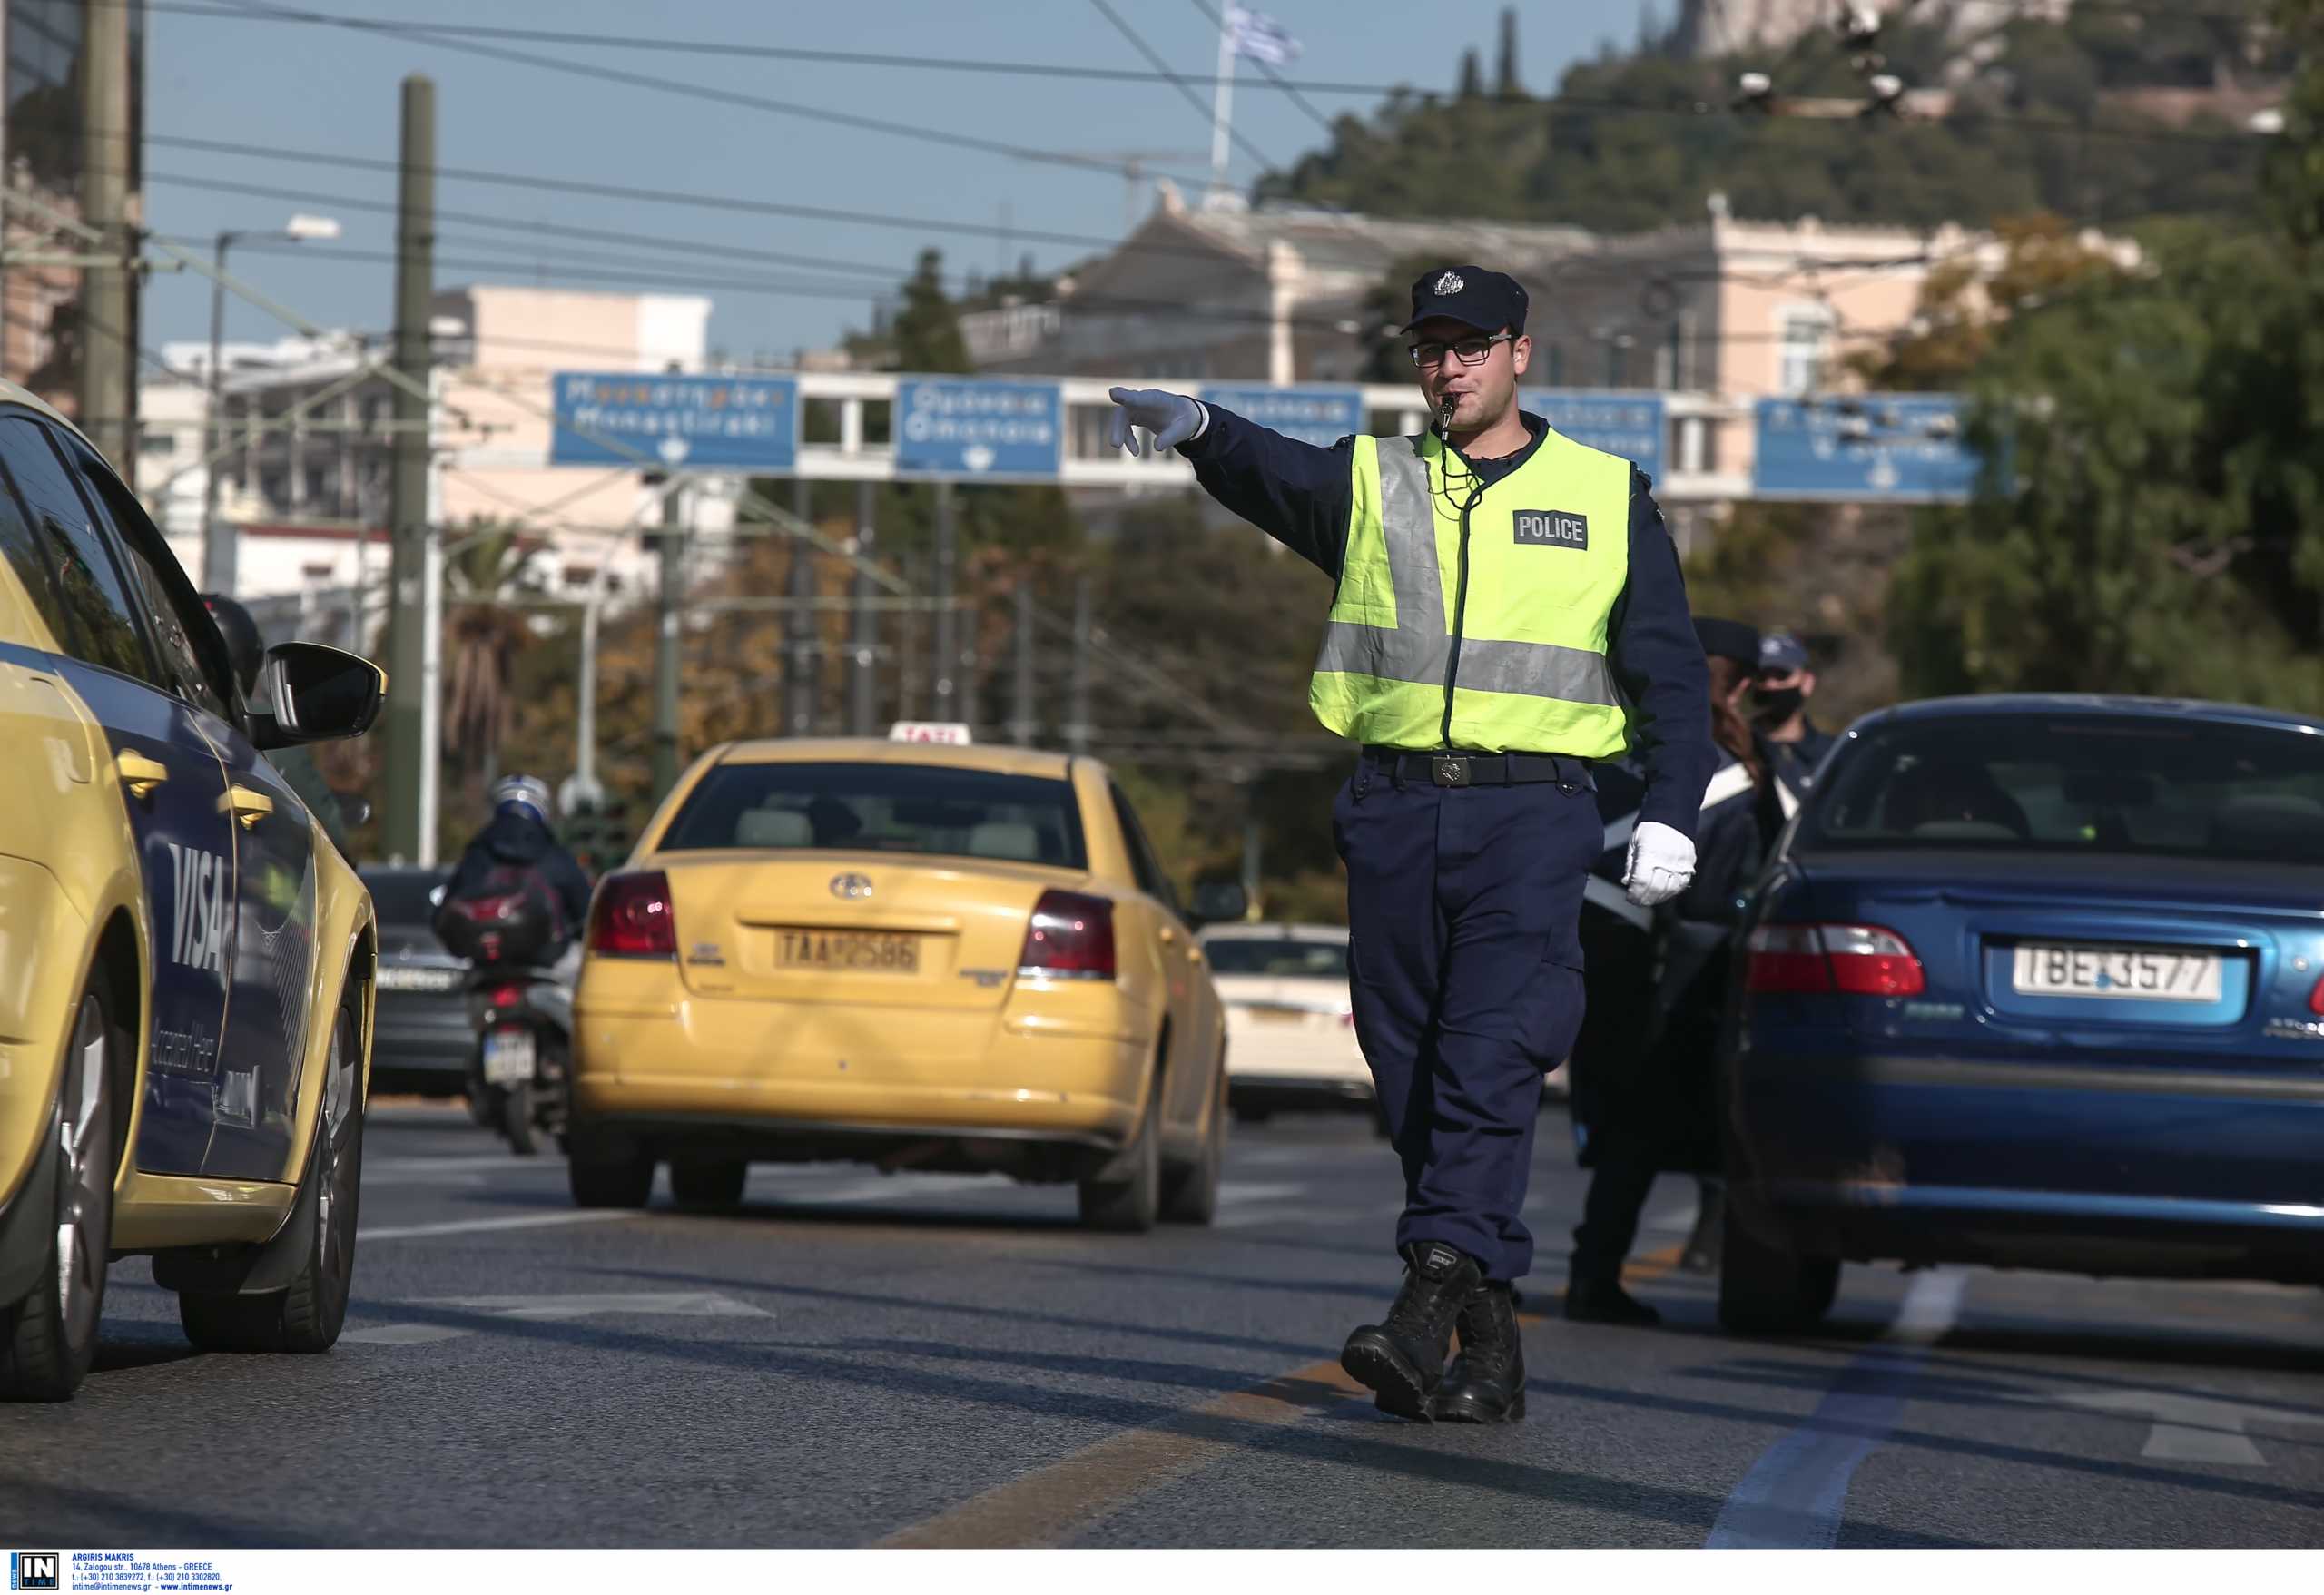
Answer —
2144 974
508 1057
860 951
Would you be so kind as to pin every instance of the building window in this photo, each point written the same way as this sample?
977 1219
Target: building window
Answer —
156 445
1804 335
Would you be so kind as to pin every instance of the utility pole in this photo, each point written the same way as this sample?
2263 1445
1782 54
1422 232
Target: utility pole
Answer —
802 631
669 619
408 495
944 688
1077 731
863 681
1021 724
107 393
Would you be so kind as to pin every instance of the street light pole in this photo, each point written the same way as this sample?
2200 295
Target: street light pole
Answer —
220 552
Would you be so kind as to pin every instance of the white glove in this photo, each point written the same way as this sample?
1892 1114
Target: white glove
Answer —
1661 864
1172 417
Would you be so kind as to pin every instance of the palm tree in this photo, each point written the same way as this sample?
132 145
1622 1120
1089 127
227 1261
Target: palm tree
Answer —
484 569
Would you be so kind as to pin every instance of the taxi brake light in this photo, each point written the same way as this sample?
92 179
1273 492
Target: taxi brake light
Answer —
1071 937
632 917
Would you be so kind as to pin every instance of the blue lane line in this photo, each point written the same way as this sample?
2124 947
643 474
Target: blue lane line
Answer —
1795 1495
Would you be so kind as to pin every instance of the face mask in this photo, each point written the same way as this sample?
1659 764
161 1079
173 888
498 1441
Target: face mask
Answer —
1778 705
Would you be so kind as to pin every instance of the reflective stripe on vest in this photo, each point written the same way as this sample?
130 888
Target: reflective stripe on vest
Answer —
1552 697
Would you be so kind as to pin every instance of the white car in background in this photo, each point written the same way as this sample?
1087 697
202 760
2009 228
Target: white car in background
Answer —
1290 1037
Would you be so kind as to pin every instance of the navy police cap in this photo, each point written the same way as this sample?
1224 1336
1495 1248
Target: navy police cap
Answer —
1487 300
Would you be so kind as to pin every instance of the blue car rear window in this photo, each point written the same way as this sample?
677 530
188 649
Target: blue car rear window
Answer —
883 808
2114 783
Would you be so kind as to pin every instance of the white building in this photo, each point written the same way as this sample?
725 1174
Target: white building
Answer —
308 486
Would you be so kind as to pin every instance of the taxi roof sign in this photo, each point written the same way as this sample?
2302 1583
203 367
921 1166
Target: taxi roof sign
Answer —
943 731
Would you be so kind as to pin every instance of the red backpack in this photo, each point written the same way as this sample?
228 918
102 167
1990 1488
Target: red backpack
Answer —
512 916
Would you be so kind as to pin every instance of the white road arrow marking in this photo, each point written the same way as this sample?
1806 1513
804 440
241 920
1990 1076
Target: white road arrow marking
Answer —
558 1309
2192 1428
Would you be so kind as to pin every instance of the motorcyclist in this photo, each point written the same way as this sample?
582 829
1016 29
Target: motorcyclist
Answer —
520 834
247 652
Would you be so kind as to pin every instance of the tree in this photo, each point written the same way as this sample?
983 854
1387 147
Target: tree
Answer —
1505 79
1473 79
483 636
926 334
2152 519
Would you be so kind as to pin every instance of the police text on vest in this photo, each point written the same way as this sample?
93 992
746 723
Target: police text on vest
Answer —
1552 528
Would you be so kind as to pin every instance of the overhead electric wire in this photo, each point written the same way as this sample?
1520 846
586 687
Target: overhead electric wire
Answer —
741 50
823 116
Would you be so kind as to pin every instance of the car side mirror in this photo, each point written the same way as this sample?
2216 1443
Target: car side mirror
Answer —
1217 902
315 692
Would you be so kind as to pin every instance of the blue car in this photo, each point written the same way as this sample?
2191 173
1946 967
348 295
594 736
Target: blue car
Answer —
2033 981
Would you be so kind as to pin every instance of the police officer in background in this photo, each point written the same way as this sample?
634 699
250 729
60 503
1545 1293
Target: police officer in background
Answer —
1647 1098
1507 609
1795 744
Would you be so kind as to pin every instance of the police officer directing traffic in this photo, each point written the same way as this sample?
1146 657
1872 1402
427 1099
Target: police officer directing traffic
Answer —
1508 608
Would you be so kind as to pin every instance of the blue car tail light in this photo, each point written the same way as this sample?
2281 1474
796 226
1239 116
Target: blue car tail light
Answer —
1859 960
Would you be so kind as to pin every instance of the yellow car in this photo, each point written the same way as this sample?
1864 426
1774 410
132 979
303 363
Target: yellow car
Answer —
922 955
185 962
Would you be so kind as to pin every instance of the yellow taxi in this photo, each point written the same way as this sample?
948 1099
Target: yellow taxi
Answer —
185 960
918 955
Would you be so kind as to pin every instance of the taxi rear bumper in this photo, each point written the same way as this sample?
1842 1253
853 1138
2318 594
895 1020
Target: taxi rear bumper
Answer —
1043 1092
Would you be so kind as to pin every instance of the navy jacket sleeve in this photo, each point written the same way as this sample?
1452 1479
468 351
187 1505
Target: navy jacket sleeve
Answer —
1657 661
571 886
1297 493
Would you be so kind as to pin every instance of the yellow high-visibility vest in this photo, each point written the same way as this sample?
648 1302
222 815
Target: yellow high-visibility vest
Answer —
1482 629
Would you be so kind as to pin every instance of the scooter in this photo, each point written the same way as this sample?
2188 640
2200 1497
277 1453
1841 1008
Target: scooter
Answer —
519 1076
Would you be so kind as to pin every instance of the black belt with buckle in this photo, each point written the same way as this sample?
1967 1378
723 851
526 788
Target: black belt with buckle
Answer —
1458 769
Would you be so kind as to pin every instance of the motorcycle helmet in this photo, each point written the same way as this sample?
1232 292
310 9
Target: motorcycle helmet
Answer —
524 794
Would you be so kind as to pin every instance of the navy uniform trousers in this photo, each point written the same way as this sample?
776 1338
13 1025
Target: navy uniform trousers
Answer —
1464 968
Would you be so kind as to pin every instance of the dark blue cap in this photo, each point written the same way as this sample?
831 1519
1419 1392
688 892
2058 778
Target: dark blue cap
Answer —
1487 300
1780 654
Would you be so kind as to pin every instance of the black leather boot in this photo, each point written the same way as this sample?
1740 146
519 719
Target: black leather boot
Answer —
1402 1358
1604 1301
1486 1382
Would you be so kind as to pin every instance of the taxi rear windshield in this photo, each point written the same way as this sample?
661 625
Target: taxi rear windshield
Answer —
2133 785
883 808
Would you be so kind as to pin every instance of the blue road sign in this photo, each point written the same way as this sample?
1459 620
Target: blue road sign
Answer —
1904 447
965 427
1320 416
1628 424
691 423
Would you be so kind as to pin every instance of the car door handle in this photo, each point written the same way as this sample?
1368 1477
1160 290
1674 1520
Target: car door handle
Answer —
141 774
248 806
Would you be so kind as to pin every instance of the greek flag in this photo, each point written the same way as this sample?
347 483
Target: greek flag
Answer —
1260 37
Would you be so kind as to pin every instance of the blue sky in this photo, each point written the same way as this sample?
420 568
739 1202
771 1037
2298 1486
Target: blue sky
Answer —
301 88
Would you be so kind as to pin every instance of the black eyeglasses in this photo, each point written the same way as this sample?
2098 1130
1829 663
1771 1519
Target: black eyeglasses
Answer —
1470 350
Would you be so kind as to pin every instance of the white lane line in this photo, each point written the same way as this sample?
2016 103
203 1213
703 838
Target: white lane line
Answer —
402 1333
1793 1497
2192 1428
405 1232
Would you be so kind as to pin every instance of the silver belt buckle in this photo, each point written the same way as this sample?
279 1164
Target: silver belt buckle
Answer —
1451 772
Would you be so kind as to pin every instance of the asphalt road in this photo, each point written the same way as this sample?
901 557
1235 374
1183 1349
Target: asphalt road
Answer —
857 1359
